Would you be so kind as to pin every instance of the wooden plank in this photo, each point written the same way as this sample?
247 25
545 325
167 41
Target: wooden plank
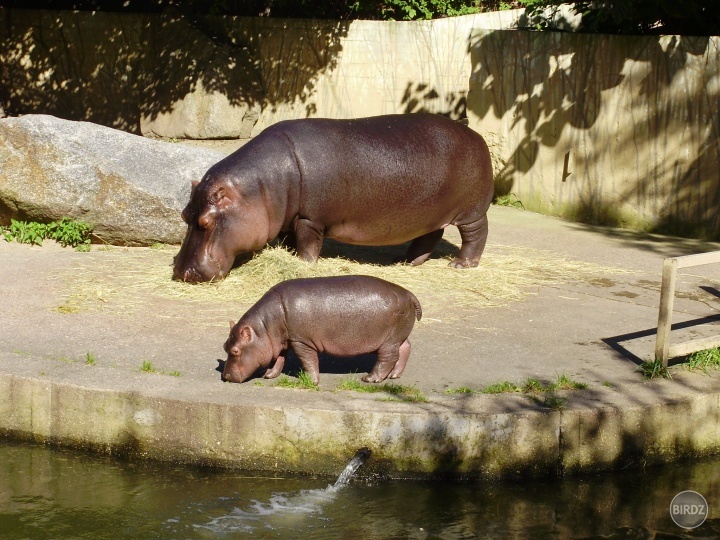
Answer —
689 347
667 299
698 259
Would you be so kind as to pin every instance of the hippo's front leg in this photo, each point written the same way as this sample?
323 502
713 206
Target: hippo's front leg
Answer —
309 237
276 368
308 359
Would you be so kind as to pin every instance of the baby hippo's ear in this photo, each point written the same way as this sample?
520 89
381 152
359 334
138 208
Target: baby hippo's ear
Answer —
246 334
232 325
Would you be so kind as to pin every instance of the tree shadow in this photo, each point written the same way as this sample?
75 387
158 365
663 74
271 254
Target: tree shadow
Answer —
563 100
124 70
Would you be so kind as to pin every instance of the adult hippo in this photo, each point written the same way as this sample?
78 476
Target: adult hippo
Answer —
373 181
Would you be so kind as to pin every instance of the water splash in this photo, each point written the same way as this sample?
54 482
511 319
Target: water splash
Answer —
355 463
284 511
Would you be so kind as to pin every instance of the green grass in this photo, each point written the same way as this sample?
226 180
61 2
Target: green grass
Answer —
654 369
90 359
147 367
460 390
563 382
501 388
301 382
398 392
554 402
704 360
509 200
531 384
174 373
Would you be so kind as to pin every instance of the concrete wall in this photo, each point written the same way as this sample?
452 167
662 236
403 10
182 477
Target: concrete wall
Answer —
603 129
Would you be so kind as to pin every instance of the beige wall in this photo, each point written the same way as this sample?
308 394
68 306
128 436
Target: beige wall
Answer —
610 129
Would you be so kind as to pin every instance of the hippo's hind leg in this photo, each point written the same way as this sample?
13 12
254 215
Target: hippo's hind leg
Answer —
309 239
387 359
404 354
474 233
421 247
308 359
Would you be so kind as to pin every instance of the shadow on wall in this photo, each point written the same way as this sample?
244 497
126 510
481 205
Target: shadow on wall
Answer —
603 128
131 71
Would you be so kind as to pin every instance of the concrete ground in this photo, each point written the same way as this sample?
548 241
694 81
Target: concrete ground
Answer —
74 375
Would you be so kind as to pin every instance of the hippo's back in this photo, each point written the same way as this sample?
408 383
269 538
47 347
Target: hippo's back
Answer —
387 179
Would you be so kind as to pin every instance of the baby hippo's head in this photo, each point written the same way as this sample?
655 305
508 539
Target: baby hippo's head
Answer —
246 354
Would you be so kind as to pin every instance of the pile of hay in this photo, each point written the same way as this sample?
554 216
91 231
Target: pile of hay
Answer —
505 274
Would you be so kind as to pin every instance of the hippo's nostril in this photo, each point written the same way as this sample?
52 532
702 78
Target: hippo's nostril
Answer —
189 276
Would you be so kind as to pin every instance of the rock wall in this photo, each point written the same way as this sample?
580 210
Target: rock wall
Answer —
601 129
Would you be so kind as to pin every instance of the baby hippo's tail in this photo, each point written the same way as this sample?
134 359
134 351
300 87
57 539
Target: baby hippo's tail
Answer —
418 308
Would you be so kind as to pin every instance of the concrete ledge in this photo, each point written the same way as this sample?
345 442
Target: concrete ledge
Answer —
310 432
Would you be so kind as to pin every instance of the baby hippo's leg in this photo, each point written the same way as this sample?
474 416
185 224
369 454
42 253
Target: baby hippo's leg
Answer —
404 354
276 368
386 361
308 359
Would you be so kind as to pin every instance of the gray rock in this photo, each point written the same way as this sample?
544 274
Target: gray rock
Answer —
132 189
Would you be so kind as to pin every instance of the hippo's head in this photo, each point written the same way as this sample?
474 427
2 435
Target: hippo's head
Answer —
222 223
247 352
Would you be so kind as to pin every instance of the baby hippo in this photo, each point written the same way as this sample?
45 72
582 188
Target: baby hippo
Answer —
341 316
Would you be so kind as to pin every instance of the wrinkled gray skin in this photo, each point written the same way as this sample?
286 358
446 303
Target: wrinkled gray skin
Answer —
374 181
341 316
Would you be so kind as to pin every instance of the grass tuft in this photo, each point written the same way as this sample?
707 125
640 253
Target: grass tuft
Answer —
704 360
654 369
460 390
301 382
563 382
501 388
147 367
90 359
398 392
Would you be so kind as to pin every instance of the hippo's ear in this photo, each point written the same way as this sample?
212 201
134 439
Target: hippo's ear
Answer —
193 185
245 334
232 325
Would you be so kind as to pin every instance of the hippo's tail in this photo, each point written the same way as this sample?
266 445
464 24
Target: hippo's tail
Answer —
418 308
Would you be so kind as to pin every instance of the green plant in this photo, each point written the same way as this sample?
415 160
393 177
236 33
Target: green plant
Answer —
147 367
554 402
303 382
399 392
532 385
460 390
709 358
653 369
67 232
509 200
25 233
500 388
563 382
90 359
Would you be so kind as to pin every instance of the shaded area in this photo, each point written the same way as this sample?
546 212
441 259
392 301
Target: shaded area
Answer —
612 130
126 70
58 493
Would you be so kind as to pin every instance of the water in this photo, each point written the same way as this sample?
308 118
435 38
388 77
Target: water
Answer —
59 494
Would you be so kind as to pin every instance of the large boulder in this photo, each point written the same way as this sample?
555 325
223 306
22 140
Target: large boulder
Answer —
131 189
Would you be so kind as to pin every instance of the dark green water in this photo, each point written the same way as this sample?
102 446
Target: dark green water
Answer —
59 494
